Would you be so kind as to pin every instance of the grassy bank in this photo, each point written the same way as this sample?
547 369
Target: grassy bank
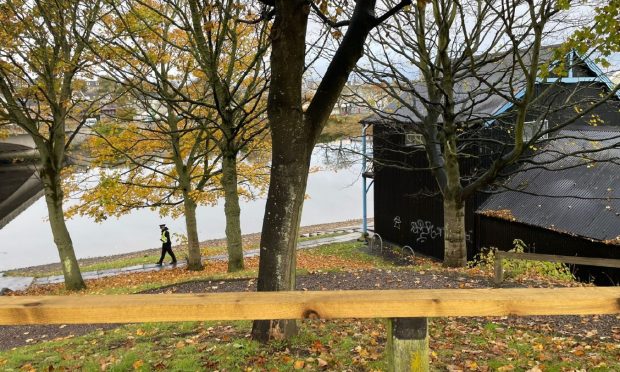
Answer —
333 257
149 256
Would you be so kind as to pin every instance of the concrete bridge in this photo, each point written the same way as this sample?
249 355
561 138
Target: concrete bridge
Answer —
20 185
17 148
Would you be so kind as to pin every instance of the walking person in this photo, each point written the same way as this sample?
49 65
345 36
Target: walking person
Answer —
166 246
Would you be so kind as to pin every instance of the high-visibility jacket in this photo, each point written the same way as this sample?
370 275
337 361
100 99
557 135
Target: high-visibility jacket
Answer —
165 237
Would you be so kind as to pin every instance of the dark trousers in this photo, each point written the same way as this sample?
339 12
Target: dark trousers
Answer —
167 248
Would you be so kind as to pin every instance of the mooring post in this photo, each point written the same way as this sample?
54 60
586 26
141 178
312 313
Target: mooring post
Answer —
408 348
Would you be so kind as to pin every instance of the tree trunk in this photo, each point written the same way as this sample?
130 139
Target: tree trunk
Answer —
455 249
294 134
62 239
194 258
279 239
232 212
291 141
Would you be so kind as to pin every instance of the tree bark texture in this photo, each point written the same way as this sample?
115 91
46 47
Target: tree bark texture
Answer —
455 250
294 134
232 212
62 239
290 161
194 258
278 259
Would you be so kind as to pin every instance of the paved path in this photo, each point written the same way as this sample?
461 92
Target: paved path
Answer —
15 283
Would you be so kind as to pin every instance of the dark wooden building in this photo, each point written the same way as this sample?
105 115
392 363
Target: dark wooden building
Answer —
408 206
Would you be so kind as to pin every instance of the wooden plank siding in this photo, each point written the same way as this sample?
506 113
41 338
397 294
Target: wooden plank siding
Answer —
408 203
497 233
404 197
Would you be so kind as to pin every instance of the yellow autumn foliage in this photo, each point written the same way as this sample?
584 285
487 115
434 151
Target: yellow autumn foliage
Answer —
171 149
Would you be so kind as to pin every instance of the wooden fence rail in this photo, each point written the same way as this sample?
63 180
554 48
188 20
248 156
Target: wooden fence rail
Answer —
407 309
590 261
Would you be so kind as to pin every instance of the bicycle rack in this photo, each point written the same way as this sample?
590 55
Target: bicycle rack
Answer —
410 249
376 239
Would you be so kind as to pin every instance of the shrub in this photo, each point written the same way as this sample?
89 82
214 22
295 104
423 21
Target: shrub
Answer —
516 268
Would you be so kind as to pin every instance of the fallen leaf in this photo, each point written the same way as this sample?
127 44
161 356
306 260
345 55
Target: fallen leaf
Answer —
317 346
28 367
538 347
299 364
471 364
138 364
286 359
544 357
506 368
578 352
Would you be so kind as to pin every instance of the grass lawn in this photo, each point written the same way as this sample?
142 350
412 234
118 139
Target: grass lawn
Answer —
194 346
358 345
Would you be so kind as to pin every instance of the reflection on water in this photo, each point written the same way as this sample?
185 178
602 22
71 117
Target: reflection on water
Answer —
334 193
338 155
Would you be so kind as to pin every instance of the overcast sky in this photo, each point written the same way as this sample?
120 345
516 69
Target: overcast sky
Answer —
576 16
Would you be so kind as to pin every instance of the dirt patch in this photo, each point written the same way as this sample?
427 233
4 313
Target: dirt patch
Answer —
15 336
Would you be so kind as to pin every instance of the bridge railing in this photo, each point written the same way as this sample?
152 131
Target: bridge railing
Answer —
406 309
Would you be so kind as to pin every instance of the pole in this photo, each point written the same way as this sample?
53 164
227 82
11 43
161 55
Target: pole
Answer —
408 345
364 190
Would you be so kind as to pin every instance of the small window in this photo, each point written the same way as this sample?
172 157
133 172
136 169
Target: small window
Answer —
414 139
530 128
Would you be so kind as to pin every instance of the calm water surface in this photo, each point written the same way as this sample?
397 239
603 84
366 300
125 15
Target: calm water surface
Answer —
334 195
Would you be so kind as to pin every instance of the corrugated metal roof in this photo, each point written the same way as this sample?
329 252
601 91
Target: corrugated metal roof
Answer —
561 191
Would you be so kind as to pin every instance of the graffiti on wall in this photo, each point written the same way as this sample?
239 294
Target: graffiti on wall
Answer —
397 222
424 230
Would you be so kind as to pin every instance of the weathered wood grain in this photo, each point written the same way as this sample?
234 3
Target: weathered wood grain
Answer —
297 305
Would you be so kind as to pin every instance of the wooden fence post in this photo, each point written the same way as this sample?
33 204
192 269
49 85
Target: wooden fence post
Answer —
499 269
408 348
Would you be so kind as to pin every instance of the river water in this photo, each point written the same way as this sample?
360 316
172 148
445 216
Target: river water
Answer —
334 191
